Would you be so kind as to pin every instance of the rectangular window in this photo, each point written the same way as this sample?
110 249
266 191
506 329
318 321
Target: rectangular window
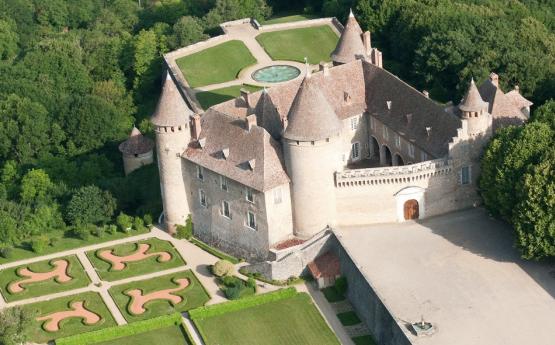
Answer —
466 175
385 133
225 209
277 196
397 140
223 183
355 151
411 150
354 123
200 172
202 197
249 195
251 220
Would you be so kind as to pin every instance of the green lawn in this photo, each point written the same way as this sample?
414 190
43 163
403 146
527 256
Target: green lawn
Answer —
93 302
287 17
292 321
217 64
194 295
75 270
364 340
213 97
65 242
149 265
172 335
316 43
332 295
348 318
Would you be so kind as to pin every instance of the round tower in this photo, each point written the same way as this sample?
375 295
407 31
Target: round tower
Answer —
311 153
137 151
171 124
350 46
474 110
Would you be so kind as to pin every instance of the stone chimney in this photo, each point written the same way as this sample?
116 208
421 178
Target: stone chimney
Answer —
376 57
426 93
251 121
195 126
367 43
494 78
246 97
323 67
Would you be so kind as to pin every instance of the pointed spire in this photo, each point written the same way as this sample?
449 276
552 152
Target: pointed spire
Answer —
311 117
350 46
136 143
135 132
171 109
473 101
351 13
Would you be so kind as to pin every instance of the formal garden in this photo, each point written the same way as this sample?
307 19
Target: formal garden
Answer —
134 259
217 96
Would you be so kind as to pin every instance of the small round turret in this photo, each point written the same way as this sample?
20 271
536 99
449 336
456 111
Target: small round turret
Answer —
350 46
137 151
475 111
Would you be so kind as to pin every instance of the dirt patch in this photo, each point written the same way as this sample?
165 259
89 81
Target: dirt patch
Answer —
118 263
59 273
52 321
138 300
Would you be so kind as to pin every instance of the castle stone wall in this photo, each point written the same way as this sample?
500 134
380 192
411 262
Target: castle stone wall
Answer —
132 162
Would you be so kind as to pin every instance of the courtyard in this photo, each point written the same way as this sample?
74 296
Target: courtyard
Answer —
215 70
461 273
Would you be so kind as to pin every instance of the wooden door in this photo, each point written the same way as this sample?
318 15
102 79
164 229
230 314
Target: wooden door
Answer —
411 209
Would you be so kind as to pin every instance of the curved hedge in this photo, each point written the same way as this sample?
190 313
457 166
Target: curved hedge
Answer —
223 308
121 331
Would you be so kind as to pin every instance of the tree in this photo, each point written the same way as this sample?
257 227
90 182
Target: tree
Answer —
36 187
187 30
8 40
8 228
90 204
14 325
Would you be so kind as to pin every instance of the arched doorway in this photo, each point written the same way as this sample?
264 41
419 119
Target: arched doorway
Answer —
385 156
398 160
374 148
411 209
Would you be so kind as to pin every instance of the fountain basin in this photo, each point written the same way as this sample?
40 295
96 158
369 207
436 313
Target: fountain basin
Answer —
276 74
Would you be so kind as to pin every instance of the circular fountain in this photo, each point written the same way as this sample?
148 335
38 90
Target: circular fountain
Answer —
276 74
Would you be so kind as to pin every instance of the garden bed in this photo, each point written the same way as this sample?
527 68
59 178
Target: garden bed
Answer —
213 97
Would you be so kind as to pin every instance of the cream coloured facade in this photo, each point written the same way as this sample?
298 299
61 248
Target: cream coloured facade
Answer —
350 144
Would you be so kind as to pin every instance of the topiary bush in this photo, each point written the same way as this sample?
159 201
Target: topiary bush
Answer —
341 285
39 244
147 218
222 268
124 222
185 231
138 224
6 251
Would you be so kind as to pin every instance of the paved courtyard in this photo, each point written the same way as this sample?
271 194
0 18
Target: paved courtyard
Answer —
461 272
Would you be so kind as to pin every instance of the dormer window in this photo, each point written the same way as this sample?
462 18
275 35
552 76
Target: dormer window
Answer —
225 152
346 97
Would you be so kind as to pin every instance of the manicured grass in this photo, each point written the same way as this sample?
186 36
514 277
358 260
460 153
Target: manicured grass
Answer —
332 295
213 97
149 265
348 318
216 64
93 302
316 43
75 270
65 242
194 295
216 252
287 17
291 321
364 340
173 335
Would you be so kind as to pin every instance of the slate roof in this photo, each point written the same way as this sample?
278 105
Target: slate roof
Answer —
136 144
350 46
171 109
311 117
220 131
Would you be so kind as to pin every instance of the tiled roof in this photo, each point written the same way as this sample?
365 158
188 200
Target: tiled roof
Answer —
350 46
136 144
171 109
220 131
504 107
325 266
311 117
473 101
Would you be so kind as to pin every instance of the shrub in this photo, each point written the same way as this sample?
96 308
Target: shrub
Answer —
39 244
222 268
233 292
229 280
185 231
54 241
251 283
98 231
90 204
138 224
217 253
124 222
6 251
341 285
147 219
83 231
111 229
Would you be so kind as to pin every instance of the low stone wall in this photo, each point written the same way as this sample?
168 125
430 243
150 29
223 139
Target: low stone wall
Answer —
303 23
366 301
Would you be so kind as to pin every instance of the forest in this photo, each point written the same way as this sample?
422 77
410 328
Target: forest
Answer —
76 75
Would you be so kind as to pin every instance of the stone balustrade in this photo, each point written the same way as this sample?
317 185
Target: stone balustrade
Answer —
393 175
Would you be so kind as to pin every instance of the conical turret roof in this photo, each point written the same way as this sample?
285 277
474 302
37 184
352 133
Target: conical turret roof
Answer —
136 144
473 101
311 117
350 45
171 109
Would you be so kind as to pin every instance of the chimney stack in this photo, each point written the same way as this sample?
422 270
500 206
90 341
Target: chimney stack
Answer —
246 97
494 79
367 43
251 121
426 94
195 126
323 67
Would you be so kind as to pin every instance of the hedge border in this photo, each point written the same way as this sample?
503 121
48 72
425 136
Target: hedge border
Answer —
240 304
122 331
216 252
